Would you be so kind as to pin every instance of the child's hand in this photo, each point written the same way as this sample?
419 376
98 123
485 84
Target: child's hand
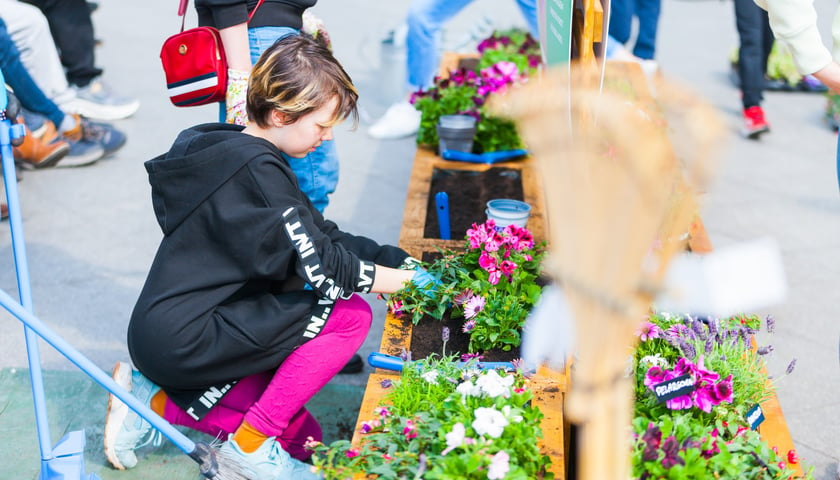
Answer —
425 280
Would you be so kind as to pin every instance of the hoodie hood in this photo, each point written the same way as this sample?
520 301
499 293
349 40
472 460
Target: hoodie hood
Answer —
201 159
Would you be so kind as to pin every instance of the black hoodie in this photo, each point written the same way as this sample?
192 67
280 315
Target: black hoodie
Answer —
247 269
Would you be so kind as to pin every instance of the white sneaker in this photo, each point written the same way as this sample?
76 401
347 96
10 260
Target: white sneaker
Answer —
401 120
97 100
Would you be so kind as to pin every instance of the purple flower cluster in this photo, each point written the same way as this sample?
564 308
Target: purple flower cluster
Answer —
529 47
709 390
671 447
689 330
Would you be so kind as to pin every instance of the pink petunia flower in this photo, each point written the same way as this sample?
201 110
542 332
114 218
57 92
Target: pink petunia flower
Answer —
410 430
507 267
487 262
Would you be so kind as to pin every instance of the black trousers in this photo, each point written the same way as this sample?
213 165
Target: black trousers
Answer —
72 30
756 41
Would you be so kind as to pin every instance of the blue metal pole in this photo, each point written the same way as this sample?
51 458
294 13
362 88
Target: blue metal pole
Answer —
97 374
22 270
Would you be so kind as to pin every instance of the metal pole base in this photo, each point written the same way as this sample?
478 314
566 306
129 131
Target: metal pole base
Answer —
68 462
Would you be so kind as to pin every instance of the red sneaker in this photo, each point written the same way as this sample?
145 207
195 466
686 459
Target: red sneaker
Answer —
754 123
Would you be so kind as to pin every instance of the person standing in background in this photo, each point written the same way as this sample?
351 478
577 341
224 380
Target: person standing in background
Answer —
794 23
646 12
425 20
248 28
755 41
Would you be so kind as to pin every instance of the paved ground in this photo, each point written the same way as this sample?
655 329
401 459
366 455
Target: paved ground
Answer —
91 233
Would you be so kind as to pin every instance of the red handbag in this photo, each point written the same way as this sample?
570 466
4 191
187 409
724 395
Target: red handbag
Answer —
194 64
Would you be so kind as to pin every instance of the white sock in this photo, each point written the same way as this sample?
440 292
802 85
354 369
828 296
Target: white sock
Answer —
69 123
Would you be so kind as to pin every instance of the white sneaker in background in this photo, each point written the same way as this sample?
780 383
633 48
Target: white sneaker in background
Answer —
97 100
400 120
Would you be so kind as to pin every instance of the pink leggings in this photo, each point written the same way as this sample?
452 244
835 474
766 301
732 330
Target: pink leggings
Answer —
273 403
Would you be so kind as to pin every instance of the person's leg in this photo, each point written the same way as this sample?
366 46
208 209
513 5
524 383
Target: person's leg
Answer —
767 39
621 19
529 11
310 367
227 416
425 19
72 30
30 32
18 78
265 400
647 11
837 159
748 21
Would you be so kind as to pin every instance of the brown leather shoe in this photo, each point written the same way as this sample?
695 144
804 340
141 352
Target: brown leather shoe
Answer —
41 152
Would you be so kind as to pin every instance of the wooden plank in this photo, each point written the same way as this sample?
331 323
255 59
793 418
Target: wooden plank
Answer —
550 387
374 392
775 432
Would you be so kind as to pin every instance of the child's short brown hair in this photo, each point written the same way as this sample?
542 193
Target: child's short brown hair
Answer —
296 76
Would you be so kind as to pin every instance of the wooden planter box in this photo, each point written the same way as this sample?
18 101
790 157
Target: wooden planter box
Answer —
426 163
549 387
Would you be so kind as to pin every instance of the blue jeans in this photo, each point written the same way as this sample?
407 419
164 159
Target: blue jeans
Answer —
317 173
425 19
621 19
754 46
26 90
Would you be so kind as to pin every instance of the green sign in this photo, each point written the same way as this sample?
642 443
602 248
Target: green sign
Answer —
556 30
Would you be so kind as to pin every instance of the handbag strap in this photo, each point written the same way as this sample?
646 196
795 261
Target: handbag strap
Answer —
182 11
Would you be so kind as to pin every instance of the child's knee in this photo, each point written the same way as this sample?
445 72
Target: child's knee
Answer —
350 315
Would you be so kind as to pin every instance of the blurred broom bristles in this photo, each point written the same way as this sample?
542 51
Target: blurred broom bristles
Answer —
620 175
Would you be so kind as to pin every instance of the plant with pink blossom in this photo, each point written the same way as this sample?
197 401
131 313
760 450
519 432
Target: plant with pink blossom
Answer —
492 284
506 59
703 433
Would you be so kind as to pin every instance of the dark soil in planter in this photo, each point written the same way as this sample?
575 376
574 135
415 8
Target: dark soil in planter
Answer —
468 193
426 339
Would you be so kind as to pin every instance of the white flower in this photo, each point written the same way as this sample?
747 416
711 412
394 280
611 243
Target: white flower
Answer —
506 411
431 376
499 466
489 421
467 389
654 360
455 438
494 385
